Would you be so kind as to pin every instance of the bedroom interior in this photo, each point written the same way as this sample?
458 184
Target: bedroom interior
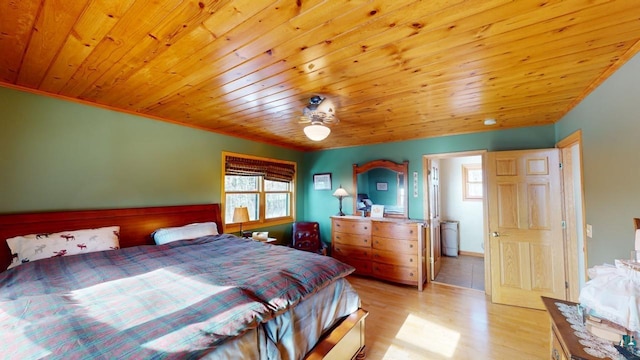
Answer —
103 111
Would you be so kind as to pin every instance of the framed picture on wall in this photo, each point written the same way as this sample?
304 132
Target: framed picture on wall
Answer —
322 181
381 186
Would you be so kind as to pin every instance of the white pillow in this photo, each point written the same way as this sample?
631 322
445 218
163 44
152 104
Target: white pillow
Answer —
41 246
191 231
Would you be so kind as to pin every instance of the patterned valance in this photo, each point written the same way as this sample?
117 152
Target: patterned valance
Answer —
274 171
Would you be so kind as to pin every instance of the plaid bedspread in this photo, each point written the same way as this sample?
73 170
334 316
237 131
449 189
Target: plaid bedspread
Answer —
178 300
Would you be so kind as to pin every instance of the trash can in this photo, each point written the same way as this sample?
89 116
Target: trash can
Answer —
450 237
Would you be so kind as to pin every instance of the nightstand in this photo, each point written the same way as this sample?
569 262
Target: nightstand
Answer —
272 241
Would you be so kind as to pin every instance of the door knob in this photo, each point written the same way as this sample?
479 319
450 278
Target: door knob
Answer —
497 234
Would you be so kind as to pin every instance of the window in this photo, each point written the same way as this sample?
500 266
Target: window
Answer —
264 186
472 181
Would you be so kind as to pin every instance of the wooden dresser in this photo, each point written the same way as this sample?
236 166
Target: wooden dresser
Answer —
389 249
565 344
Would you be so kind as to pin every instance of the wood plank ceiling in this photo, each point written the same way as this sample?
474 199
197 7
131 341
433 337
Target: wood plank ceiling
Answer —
396 69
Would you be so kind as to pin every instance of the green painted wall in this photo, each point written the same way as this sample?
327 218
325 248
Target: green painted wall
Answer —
64 155
610 121
320 205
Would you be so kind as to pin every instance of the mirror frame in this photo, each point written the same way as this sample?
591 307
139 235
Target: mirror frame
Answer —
384 164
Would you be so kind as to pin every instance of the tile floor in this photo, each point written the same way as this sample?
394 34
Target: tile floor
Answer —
465 271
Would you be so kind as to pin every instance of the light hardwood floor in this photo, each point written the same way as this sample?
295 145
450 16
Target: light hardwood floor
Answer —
445 322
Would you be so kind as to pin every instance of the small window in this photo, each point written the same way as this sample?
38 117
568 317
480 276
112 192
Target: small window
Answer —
472 181
265 186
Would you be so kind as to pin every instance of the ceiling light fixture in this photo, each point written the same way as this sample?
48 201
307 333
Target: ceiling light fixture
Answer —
319 112
488 122
316 132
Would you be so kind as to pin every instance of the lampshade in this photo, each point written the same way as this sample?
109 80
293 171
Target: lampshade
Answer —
240 214
316 132
340 192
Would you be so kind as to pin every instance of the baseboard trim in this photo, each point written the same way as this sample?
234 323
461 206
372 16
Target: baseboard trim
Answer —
470 253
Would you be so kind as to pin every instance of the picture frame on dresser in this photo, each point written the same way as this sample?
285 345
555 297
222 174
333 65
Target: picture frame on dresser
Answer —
377 211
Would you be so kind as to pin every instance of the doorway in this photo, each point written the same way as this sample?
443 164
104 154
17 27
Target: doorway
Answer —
457 246
574 251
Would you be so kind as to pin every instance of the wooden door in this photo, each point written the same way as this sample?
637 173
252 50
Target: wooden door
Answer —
525 226
434 216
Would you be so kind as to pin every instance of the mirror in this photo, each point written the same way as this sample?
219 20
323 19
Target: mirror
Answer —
381 182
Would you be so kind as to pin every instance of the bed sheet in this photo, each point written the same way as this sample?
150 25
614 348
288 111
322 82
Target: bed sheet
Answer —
179 300
294 333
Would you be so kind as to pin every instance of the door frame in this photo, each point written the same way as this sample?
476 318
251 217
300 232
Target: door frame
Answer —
573 273
571 213
485 220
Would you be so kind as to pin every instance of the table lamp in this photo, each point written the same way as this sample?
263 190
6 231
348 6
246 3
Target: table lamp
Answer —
240 215
340 193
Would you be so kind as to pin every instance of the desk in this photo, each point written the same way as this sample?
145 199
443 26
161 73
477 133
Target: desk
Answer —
564 342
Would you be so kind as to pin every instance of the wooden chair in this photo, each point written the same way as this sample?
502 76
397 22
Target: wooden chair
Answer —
306 237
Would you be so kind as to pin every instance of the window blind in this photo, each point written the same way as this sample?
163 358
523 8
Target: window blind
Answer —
273 171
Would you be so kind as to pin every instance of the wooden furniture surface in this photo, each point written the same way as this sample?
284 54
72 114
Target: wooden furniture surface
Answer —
389 249
564 343
136 226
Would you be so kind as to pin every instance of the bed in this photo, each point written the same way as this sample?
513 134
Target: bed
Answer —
212 297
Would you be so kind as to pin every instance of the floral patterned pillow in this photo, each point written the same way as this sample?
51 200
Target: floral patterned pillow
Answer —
41 246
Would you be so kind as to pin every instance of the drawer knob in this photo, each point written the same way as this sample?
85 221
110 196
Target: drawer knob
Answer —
410 231
366 228
365 240
410 260
338 225
411 246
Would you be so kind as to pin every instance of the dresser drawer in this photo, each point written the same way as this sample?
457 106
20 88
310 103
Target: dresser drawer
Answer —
341 252
557 352
351 239
396 273
363 267
389 257
400 246
406 231
351 226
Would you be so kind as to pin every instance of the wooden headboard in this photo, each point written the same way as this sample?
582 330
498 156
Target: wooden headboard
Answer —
136 224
